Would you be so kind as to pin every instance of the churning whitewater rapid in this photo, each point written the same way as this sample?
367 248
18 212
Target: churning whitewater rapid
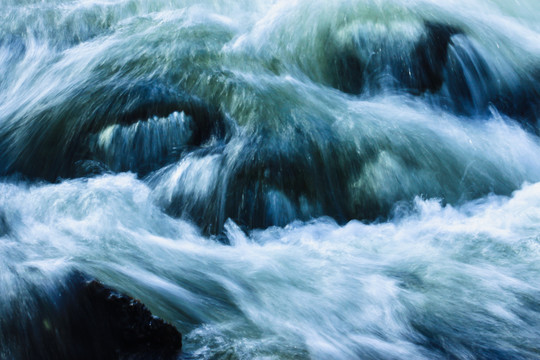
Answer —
349 179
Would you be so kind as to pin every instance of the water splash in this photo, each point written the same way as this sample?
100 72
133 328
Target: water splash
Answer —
280 179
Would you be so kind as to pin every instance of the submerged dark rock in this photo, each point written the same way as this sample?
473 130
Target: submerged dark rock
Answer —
417 71
268 181
52 139
136 332
84 319
429 58
444 63
473 87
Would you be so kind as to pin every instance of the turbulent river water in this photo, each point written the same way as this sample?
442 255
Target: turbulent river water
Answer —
347 179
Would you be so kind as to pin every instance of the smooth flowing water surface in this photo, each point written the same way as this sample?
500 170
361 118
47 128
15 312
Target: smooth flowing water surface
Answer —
348 179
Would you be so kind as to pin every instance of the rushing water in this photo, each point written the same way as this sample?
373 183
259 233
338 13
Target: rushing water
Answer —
279 179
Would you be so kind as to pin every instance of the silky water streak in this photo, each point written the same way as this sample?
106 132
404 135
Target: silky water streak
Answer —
350 179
